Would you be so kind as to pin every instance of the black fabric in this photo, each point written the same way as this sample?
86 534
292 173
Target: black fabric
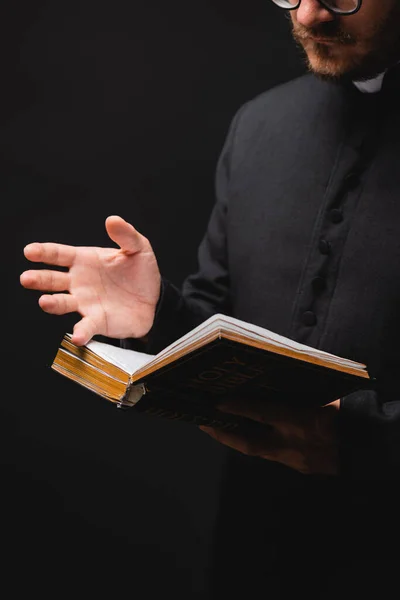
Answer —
306 167
308 189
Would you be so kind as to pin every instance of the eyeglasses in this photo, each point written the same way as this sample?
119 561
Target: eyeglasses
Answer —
337 7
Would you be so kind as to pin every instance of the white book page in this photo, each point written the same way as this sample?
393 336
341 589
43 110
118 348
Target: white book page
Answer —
132 361
261 334
126 359
255 332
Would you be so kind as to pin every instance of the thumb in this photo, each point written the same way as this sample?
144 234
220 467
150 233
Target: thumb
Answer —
124 234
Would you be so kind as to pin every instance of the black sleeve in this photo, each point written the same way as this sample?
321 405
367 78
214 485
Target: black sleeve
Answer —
205 292
369 436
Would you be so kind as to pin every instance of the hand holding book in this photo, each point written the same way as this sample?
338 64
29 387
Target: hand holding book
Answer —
303 439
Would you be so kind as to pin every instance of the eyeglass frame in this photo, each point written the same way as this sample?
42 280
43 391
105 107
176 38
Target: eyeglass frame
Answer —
323 2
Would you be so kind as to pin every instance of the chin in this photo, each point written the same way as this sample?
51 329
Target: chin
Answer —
347 62
324 60
340 64
329 69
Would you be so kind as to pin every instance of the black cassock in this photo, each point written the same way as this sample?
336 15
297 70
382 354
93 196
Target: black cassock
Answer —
304 239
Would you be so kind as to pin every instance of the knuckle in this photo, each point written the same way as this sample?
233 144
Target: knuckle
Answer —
64 303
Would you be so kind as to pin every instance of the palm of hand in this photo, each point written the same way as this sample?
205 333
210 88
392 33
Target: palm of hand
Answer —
114 290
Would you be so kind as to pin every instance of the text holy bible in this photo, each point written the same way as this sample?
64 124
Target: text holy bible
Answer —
220 359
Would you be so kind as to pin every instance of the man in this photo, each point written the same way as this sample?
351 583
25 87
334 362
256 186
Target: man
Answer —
304 240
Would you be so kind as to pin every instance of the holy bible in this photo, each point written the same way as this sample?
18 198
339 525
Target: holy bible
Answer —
222 358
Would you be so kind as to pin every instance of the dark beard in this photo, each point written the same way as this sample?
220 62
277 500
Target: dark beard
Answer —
384 49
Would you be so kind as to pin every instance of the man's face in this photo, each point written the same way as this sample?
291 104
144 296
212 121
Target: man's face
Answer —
358 46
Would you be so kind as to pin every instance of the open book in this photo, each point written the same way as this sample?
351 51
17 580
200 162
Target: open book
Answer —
221 358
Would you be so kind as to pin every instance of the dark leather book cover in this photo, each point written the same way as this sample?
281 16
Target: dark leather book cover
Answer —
191 387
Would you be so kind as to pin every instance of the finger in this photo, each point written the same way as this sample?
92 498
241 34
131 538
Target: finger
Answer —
124 234
264 411
232 440
49 253
254 445
83 331
58 304
266 447
46 280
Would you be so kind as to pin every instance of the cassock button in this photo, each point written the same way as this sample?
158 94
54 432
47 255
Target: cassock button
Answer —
336 215
324 246
309 318
352 180
319 284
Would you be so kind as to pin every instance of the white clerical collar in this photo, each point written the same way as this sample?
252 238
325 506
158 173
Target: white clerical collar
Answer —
370 86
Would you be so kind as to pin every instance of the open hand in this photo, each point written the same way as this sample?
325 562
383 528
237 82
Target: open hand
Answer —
115 290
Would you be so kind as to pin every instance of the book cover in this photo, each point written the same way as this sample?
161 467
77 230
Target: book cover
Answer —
208 366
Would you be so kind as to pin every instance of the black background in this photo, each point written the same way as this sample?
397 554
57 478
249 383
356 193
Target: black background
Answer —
112 108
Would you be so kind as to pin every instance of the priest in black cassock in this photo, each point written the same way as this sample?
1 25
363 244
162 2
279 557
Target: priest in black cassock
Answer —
304 239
